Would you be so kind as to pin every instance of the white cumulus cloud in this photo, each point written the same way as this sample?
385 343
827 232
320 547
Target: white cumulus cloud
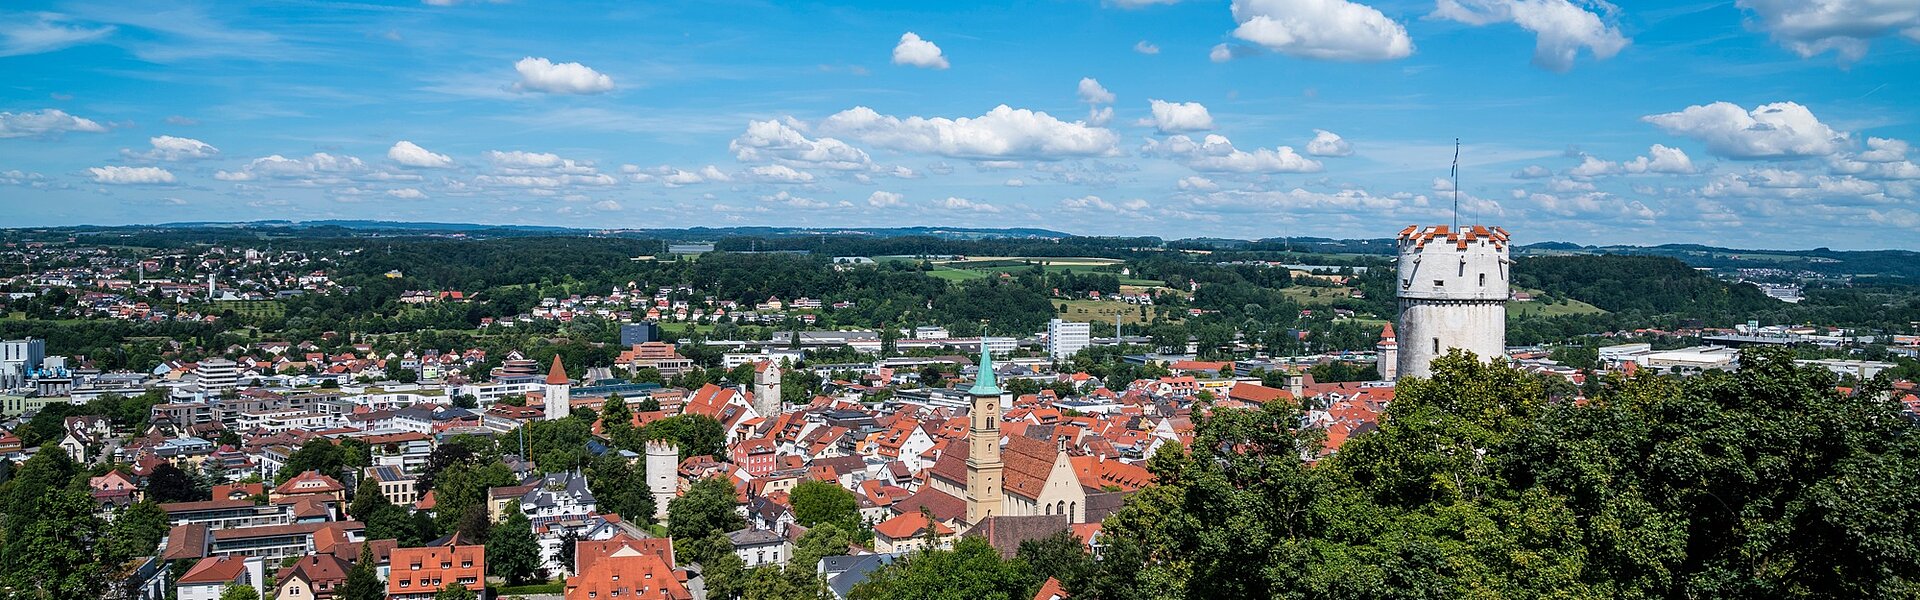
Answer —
1091 92
915 52
784 142
170 148
130 175
407 194
1661 159
1560 27
1770 131
318 164
1196 183
542 75
1216 154
1145 47
1810 28
1178 117
412 155
885 200
46 122
1321 29
1327 143
779 174
1002 133
956 203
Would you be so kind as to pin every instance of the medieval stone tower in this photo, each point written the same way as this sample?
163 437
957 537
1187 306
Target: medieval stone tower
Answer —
1388 351
766 389
663 468
1452 287
558 392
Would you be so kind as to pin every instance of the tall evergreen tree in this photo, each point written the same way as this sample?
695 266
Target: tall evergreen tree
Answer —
512 551
363 580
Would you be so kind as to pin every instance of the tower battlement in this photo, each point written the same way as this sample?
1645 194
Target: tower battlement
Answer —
1453 287
662 447
1437 263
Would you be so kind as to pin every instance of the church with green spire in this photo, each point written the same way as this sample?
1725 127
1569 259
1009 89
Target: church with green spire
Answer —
985 494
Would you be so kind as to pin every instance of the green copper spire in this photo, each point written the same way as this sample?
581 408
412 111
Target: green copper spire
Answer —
984 384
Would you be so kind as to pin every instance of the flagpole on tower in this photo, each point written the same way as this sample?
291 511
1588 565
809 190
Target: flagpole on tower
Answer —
1455 172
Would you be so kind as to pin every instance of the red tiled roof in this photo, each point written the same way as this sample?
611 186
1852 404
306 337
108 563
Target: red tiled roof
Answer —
215 569
908 525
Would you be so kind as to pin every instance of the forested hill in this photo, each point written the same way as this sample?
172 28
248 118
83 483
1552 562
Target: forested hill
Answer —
1648 284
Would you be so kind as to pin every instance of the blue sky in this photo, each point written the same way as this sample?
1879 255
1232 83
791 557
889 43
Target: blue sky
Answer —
1756 123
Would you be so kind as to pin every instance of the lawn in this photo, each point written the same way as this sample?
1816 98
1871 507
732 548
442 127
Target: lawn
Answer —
1102 313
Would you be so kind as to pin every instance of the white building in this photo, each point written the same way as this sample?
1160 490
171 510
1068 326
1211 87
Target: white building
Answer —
217 375
1453 288
1064 338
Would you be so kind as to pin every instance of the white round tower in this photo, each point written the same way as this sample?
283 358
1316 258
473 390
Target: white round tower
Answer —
663 468
1452 287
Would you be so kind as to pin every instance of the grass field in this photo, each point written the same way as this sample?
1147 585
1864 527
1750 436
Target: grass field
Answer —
1102 313
1563 307
1307 295
952 274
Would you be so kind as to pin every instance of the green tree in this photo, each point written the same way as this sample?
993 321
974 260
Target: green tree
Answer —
1060 556
816 502
363 580
55 555
705 508
512 551
135 532
239 592
320 455
696 434
620 488
168 483
454 591
972 570
367 500
820 542
462 488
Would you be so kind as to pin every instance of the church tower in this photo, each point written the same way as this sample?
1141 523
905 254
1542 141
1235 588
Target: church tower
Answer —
766 389
1388 352
559 392
984 491
1452 287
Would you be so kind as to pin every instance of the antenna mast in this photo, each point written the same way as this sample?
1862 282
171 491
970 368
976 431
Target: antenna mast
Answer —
1456 184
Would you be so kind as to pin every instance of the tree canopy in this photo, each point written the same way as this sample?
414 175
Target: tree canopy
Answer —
1761 483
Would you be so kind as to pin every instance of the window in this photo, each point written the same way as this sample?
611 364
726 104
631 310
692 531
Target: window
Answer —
1483 280
1439 283
1436 345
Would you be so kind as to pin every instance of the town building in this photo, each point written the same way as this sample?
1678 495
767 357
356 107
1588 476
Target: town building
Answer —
1064 338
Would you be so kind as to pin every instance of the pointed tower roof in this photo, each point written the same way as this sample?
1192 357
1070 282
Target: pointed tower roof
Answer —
1386 333
557 375
984 385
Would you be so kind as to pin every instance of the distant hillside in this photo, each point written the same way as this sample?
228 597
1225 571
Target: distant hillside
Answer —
1649 284
1888 263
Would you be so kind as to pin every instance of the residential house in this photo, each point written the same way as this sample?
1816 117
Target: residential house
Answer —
419 573
206 578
